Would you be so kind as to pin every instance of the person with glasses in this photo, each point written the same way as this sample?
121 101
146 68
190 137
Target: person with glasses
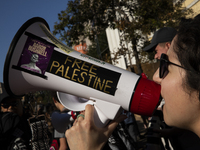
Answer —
179 138
179 73
15 131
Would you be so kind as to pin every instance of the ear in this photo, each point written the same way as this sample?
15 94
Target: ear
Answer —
54 100
167 44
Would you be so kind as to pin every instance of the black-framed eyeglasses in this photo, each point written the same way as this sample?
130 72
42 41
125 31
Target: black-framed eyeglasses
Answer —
164 63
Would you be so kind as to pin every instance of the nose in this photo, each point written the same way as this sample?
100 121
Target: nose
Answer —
156 77
156 56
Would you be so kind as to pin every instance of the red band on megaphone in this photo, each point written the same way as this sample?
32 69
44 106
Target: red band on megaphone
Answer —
146 97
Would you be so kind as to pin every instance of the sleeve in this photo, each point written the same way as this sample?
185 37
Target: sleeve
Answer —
58 134
9 122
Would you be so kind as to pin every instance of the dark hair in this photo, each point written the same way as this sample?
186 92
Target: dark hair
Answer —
187 48
41 109
9 101
50 108
54 95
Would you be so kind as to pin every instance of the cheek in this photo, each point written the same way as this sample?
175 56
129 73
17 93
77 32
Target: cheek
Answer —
173 95
159 53
161 50
170 85
180 107
169 93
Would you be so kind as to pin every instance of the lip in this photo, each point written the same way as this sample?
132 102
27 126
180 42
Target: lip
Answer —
163 108
161 98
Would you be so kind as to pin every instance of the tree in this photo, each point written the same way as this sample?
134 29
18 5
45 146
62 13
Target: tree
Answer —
135 19
38 97
99 48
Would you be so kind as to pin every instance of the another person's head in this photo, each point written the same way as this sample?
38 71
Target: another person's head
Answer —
9 103
56 101
161 41
49 108
41 109
180 73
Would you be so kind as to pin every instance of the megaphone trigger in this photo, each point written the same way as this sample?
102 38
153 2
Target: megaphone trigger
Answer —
102 112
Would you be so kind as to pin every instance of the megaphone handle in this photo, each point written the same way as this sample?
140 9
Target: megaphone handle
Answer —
100 119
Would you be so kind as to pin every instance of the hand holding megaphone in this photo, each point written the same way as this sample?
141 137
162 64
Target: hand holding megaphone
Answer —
104 111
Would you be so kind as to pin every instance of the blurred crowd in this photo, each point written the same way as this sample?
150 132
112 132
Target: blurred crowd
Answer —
41 126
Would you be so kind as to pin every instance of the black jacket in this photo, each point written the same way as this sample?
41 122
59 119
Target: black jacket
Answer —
14 131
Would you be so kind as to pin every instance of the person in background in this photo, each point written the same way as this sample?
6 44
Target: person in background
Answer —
57 135
160 43
41 109
15 131
132 127
49 110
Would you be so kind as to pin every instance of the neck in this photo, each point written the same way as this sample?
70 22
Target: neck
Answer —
61 108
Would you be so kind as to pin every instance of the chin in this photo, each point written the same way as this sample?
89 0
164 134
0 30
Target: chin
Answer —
166 119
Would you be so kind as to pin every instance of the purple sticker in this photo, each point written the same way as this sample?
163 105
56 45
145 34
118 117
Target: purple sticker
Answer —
35 56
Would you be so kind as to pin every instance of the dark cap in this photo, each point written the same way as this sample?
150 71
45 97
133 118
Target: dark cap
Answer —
165 34
3 93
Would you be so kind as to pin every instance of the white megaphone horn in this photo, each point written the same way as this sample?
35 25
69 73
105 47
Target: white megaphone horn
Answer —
36 60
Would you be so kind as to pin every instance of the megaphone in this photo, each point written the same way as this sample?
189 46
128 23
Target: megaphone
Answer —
36 60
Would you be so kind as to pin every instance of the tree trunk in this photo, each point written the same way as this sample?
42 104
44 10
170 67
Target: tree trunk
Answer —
138 64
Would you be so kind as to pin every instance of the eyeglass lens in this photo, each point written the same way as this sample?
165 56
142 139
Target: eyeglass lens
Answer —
163 66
